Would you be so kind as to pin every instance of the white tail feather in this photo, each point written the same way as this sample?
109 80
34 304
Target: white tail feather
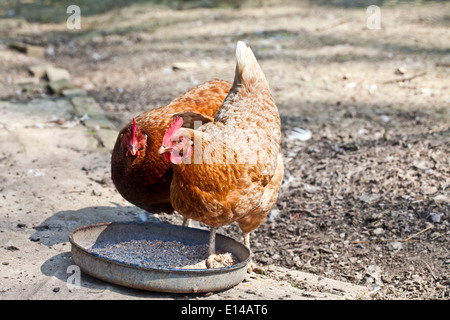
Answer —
247 67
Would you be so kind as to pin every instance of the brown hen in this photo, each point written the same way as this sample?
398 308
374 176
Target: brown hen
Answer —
230 169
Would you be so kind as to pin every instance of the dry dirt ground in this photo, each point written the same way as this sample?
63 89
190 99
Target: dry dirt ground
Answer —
365 118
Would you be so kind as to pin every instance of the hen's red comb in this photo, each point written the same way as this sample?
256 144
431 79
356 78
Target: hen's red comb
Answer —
177 123
134 126
133 129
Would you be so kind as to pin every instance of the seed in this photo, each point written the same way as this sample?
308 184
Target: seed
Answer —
162 254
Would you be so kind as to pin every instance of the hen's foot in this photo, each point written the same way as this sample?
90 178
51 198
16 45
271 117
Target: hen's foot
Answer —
252 267
212 261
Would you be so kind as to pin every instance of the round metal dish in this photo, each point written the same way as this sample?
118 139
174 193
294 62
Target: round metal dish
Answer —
156 279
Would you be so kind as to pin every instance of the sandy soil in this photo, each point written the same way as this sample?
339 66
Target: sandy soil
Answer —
365 197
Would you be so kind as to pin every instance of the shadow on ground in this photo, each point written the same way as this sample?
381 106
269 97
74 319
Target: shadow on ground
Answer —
58 227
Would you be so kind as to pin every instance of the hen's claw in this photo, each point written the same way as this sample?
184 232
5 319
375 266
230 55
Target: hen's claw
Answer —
210 261
252 267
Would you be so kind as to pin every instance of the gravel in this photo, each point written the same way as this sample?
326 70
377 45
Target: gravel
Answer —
162 254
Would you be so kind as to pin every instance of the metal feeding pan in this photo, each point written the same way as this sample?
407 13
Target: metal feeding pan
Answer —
155 279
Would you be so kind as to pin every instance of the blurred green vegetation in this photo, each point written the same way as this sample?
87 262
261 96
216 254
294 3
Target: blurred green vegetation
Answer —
54 11
46 11
365 3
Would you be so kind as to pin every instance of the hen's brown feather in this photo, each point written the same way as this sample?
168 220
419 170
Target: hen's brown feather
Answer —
221 185
145 179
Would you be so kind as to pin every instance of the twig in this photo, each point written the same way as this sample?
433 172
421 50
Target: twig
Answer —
416 234
441 128
331 25
420 74
431 271
394 240
380 240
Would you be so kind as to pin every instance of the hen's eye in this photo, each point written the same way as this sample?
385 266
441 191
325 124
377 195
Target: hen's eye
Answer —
180 139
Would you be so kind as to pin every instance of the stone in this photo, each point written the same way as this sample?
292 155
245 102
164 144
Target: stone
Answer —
74 92
55 74
184 65
36 51
28 49
98 122
58 86
108 137
38 70
85 105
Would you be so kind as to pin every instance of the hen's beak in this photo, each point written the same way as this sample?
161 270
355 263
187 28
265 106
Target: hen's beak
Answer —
133 150
163 149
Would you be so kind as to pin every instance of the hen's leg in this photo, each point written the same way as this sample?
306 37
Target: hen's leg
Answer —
252 267
186 222
247 240
211 248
